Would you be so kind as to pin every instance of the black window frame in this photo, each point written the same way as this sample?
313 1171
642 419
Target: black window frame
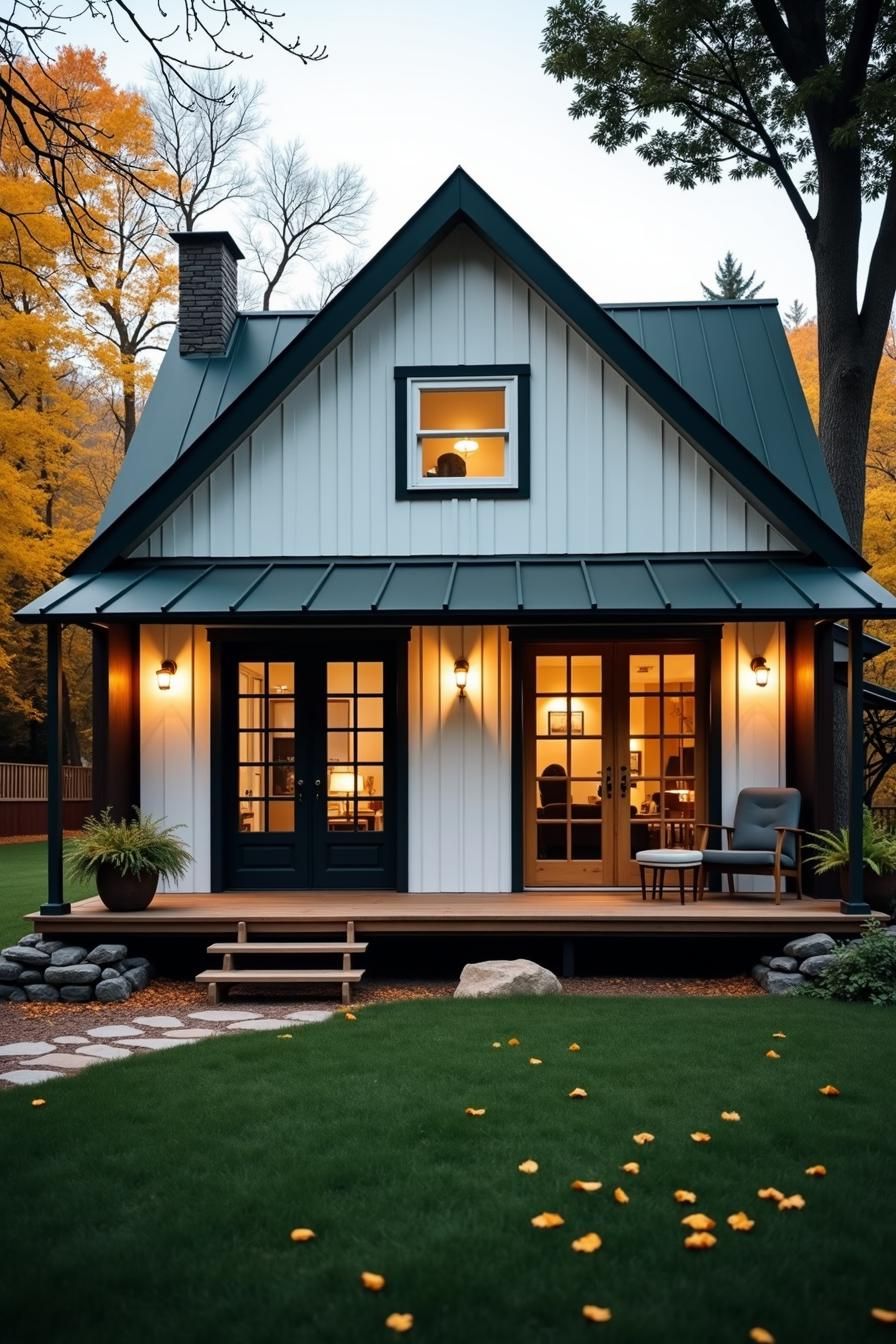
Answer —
403 373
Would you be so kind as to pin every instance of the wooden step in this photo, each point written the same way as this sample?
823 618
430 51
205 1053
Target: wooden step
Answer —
277 977
271 949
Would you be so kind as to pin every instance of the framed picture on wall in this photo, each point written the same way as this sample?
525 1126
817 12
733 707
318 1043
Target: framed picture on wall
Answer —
561 724
634 762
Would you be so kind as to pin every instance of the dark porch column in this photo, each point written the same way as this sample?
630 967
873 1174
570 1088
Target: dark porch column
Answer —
855 903
55 904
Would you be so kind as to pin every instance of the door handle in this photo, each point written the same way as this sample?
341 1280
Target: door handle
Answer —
317 790
623 781
608 782
300 791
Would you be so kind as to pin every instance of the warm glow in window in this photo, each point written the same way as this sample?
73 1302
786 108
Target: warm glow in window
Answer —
463 433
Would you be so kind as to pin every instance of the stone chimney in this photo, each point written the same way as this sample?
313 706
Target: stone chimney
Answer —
208 263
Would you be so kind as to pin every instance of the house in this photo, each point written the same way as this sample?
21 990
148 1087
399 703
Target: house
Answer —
464 585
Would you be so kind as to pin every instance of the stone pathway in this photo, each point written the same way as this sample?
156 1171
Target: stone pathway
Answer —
42 1061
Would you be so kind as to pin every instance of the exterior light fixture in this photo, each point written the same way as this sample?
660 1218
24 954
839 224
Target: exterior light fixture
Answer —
466 446
165 673
461 668
760 669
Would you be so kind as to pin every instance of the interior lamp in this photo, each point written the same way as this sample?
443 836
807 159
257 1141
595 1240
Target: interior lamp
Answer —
347 782
165 673
760 669
461 669
466 446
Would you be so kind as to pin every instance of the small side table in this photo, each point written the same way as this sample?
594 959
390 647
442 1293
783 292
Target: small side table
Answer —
658 860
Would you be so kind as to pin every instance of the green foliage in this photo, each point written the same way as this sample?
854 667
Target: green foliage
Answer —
135 847
731 282
831 848
863 971
797 315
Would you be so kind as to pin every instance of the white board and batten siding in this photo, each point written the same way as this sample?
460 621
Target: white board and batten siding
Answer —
608 474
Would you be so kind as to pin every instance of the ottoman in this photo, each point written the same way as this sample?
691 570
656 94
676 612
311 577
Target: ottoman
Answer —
659 860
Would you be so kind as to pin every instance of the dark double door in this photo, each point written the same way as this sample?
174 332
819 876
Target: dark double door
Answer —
308 753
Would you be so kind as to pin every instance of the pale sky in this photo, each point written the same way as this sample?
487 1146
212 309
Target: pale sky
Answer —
412 88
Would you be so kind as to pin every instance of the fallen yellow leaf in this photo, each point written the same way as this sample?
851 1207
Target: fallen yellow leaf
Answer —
700 1137
302 1234
770 1193
38 1101
474 1110
641 1139
791 1202
375 1282
592 1313
533 1060
730 1115
588 1244
530 1166
685 1197
496 1045
588 1186
575 1047
400 1321
818 1170
287 1036
760 1335
884 1315
700 1241
578 1092
350 1017
829 1090
633 1168
620 1196
547 1220
779 1036
740 1222
772 1054
513 1041
698 1222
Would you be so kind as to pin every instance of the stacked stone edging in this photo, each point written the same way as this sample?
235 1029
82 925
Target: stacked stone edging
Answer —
45 970
802 961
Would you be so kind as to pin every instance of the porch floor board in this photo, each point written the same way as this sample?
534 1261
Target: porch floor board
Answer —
542 911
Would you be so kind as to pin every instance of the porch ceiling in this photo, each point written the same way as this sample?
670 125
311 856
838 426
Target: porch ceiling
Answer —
633 587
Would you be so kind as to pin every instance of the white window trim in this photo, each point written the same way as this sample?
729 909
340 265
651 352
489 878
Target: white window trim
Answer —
417 482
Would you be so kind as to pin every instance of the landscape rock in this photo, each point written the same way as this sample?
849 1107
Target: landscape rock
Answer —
812 945
6 992
761 974
82 974
115 990
130 963
137 976
109 973
76 993
30 978
779 982
16 995
9 971
766 961
815 966
68 956
48 945
26 956
31 940
106 954
498 979
42 993
782 963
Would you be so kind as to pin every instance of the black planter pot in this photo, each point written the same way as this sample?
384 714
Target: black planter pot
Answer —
879 889
121 892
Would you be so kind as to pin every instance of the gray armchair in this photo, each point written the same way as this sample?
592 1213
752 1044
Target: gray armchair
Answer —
765 840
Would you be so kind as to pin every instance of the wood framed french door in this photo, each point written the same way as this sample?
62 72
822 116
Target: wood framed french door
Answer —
308 757
614 756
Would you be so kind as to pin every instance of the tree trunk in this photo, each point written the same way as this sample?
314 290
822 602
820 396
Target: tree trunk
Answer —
128 398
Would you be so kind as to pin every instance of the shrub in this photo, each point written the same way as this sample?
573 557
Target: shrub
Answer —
863 970
134 848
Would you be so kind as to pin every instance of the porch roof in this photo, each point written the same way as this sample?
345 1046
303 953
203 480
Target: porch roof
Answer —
505 588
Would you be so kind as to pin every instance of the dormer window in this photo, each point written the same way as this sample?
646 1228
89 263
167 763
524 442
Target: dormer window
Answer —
462 431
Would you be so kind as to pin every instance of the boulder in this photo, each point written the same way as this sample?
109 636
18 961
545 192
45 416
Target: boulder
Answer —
766 961
106 954
31 940
68 956
109 973
497 979
761 974
42 993
16 995
76 993
49 945
6 992
82 974
779 982
137 977
812 945
130 963
814 966
9 971
782 964
26 956
114 990
30 978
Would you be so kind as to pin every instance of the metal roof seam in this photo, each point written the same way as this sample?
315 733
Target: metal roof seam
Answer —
748 385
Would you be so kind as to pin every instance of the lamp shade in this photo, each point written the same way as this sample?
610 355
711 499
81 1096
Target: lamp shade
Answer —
345 781
466 446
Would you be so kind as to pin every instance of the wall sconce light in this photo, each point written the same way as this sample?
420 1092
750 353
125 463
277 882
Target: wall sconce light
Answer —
165 673
760 669
461 668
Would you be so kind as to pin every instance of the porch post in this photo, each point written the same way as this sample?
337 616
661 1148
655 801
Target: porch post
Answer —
855 903
55 904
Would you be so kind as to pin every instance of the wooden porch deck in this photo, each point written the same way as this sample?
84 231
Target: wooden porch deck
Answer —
526 912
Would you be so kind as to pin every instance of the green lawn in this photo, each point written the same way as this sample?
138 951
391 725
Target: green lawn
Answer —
23 887
155 1197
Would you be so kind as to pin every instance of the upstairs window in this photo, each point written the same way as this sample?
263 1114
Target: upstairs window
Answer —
462 431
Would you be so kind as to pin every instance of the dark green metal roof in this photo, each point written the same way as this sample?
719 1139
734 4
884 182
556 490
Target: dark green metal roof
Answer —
506 588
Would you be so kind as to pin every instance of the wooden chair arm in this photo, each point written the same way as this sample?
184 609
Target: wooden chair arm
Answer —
794 830
706 826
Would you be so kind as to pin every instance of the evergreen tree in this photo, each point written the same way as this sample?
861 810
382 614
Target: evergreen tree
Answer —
729 278
796 315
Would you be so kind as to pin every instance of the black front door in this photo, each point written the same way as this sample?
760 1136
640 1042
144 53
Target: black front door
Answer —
308 759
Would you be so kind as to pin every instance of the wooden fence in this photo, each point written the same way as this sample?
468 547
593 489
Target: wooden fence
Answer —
885 814
23 797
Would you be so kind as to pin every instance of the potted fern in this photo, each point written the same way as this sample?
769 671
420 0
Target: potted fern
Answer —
831 853
126 858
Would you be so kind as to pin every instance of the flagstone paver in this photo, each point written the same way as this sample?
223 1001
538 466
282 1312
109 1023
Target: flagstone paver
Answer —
161 1043
71 1040
64 1061
104 1051
311 1015
262 1024
24 1049
113 1033
27 1076
191 1033
158 1022
222 1015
